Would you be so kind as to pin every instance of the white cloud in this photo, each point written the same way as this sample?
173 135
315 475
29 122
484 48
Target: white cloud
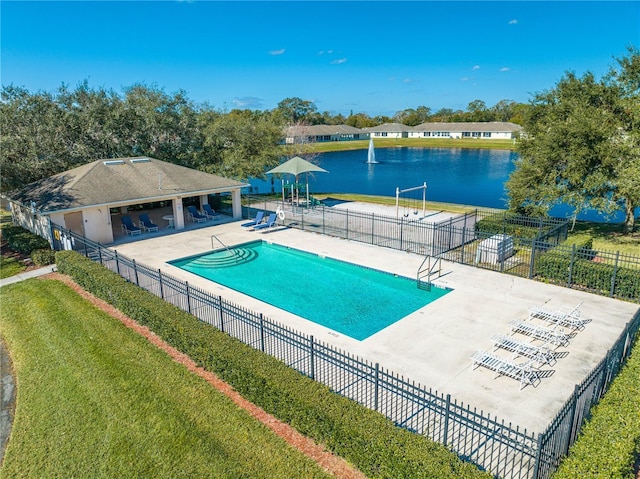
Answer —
250 102
513 22
407 80
464 79
476 67
339 61
504 69
277 52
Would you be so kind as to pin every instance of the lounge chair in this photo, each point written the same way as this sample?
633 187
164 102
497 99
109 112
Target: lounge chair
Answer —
523 372
566 317
195 216
271 221
209 213
128 226
146 223
547 335
258 219
540 354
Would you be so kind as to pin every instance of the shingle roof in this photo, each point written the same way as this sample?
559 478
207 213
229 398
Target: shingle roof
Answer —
313 130
469 126
119 180
389 128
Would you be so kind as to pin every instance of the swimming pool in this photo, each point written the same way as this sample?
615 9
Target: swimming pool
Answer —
347 298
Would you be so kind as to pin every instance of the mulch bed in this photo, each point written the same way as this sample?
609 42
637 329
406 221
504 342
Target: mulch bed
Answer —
334 465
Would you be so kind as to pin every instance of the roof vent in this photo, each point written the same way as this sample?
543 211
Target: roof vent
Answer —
113 162
140 160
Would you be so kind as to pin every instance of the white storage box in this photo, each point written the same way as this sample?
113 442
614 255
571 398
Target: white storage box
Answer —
495 249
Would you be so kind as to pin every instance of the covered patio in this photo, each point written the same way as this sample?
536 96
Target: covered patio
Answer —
92 199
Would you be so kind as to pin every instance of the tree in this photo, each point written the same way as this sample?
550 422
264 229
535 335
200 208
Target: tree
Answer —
360 120
240 144
580 145
295 110
413 117
477 111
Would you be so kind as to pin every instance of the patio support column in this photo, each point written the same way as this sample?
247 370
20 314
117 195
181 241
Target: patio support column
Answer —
204 200
178 213
236 204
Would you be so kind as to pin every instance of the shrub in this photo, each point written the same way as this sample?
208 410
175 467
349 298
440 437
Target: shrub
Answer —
23 241
609 443
43 257
362 436
555 266
518 226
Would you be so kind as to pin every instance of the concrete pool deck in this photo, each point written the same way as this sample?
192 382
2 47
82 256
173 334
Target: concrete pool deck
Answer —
433 345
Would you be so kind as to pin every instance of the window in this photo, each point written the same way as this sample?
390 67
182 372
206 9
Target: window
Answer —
486 134
466 134
384 133
475 134
446 133
426 133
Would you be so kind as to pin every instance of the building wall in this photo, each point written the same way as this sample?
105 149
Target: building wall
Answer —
31 221
389 134
97 224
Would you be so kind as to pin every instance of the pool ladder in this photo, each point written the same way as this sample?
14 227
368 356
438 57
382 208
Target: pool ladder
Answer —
430 266
233 253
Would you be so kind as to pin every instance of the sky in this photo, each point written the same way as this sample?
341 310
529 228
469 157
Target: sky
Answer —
372 57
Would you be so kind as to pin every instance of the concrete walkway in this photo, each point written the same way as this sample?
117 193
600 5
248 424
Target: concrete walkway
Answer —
34 273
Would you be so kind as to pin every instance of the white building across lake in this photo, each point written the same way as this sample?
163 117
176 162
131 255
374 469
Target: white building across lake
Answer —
490 130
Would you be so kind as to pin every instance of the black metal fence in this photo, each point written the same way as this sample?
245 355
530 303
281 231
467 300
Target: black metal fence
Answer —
474 239
501 448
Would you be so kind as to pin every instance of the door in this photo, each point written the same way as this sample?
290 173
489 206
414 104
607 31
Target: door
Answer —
74 221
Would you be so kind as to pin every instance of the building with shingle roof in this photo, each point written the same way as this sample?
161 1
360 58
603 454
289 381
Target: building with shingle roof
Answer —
487 130
83 199
321 133
389 130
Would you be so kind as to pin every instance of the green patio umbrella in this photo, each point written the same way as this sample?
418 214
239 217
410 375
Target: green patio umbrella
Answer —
296 166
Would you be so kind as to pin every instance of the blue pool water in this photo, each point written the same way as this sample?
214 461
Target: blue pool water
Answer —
347 298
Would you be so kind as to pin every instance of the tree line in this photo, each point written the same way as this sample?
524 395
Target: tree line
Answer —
45 133
580 144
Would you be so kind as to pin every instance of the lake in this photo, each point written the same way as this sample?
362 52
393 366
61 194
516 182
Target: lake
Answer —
453 175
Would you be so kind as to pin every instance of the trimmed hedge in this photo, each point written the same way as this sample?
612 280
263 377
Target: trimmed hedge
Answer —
609 443
43 257
364 437
23 241
555 265
512 224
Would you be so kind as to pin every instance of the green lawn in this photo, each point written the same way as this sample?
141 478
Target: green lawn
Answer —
608 236
10 266
389 200
94 399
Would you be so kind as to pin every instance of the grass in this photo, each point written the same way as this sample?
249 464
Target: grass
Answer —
608 236
323 147
388 200
94 399
10 265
